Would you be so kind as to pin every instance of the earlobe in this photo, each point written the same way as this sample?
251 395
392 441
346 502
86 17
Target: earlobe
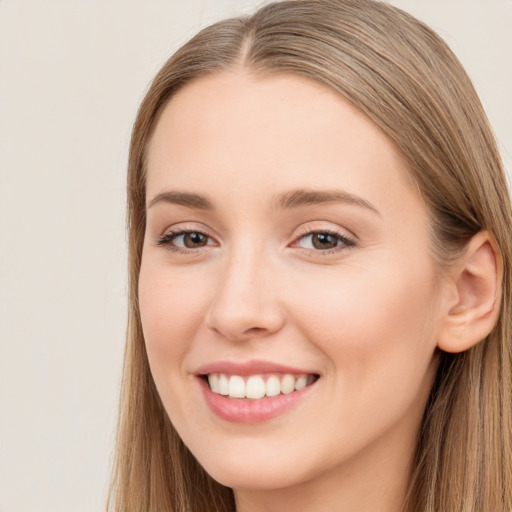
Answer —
476 281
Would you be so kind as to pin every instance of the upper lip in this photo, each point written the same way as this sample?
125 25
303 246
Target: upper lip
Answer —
245 368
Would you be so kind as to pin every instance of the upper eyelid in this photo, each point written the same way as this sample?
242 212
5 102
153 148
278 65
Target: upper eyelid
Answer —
189 227
307 229
303 231
173 233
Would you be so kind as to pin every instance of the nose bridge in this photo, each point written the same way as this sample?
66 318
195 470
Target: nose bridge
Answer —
246 301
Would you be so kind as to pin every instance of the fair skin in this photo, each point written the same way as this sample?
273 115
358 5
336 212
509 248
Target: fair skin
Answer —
342 290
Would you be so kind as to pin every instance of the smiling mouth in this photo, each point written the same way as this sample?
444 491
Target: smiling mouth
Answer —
255 387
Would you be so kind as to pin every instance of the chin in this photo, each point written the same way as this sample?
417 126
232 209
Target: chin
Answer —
253 477
256 468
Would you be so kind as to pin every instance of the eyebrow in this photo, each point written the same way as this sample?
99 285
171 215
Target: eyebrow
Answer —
305 197
187 199
289 200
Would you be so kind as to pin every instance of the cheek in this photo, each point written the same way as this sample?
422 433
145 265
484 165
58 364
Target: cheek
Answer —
377 329
172 307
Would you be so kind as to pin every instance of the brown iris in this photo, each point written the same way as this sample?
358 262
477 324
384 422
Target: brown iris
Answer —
194 240
324 240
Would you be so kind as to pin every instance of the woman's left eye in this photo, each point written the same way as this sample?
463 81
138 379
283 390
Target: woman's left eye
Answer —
324 241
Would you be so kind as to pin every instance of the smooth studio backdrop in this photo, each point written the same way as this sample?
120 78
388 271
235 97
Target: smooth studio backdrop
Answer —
72 73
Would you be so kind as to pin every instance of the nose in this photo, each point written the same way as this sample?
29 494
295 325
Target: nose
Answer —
246 304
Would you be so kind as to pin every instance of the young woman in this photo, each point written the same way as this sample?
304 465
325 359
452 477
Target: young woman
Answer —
319 274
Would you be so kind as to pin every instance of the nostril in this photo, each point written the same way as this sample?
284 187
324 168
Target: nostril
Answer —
242 319
255 330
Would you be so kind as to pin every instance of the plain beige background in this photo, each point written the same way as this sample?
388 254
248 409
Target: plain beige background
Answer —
72 74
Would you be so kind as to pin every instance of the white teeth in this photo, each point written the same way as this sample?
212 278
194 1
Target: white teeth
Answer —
287 384
257 386
272 386
301 382
236 387
223 385
213 380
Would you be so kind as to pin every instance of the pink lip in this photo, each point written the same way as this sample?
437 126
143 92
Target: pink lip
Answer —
248 368
241 410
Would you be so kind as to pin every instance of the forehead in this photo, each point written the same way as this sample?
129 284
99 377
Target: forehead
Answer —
241 130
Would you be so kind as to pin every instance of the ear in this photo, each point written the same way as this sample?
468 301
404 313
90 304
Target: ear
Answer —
475 295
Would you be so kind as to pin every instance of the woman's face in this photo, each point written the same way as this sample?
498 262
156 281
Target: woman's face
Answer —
285 247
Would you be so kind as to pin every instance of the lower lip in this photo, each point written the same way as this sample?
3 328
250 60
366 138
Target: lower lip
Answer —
242 410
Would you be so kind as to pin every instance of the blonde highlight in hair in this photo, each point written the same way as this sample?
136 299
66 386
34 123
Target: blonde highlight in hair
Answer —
407 81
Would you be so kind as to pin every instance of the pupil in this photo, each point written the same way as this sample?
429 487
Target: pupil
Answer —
194 240
324 241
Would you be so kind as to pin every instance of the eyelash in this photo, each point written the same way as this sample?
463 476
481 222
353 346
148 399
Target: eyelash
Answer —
167 238
345 242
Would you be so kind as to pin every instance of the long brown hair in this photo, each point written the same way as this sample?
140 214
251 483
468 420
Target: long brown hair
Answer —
405 78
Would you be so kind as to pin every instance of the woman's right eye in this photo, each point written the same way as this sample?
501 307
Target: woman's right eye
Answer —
185 240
